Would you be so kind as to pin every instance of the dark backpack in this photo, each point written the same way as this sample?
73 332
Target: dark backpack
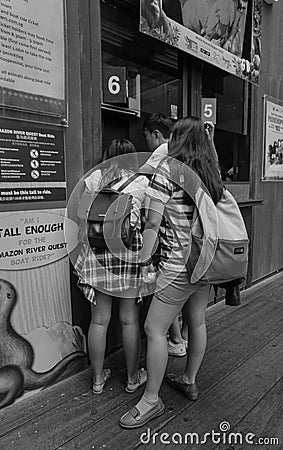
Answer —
108 214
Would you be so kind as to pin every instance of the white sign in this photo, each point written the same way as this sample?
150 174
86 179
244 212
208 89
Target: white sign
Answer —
33 239
32 47
208 109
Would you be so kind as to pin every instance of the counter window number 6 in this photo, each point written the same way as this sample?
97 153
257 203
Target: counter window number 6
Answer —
114 86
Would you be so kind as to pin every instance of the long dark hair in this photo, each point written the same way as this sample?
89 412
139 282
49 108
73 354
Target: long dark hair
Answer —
189 144
114 166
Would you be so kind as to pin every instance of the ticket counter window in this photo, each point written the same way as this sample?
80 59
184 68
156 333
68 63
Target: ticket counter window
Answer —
150 89
231 134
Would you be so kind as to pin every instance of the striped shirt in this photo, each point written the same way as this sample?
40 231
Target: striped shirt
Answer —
178 213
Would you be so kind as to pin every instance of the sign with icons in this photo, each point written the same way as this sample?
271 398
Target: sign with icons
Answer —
32 166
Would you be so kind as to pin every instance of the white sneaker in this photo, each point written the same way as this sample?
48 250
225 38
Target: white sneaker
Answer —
176 349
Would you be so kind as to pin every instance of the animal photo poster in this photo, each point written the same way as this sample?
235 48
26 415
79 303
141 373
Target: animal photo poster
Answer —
273 140
212 30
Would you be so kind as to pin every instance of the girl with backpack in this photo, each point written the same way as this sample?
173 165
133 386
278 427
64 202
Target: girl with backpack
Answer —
171 212
104 275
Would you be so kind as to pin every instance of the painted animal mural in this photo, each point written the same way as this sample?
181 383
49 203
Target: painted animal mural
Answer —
17 356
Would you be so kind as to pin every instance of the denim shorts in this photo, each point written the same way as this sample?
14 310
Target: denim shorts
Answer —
175 288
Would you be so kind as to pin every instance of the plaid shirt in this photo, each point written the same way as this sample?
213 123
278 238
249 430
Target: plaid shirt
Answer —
99 269
106 272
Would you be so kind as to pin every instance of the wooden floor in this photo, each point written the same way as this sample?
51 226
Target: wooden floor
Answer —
240 382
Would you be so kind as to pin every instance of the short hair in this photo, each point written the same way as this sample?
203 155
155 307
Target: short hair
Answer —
160 122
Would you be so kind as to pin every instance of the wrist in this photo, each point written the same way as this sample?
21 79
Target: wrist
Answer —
146 263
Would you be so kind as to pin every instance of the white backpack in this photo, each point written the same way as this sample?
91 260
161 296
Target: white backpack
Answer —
218 241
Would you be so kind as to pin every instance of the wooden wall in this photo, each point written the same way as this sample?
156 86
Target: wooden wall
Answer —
268 218
83 136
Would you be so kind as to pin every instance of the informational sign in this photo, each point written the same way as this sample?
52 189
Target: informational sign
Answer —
208 109
34 239
32 61
32 166
115 85
273 140
210 30
34 272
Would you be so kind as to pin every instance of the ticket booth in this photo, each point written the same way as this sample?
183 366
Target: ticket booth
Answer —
75 75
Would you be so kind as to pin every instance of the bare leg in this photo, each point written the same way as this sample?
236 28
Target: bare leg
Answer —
175 332
129 318
184 328
194 313
159 318
100 318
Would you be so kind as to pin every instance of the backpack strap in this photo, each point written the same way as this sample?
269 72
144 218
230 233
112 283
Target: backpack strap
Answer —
128 181
120 189
87 197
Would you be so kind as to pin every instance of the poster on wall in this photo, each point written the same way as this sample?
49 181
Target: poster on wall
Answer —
36 314
32 61
32 164
273 140
212 30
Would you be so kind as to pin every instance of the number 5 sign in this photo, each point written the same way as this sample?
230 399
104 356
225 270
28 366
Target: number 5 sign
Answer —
114 85
208 109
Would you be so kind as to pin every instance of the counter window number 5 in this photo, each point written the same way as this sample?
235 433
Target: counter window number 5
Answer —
208 108
208 111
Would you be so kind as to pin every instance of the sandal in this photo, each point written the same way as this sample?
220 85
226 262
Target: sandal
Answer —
141 379
134 419
97 388
189 390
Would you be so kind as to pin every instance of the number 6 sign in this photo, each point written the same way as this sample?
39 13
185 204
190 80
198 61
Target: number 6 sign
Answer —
208 109
114 85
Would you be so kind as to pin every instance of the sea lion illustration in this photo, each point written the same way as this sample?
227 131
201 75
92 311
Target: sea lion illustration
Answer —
16 355
153 16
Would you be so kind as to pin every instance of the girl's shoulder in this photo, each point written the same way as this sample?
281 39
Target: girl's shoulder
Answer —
92 181
142 180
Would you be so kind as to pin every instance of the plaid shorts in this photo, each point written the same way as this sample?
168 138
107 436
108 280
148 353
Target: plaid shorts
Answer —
99 269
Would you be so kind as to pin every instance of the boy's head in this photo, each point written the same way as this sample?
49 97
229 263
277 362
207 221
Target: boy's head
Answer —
157 129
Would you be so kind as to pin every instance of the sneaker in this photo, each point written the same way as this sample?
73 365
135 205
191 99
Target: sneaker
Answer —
176 349
141 379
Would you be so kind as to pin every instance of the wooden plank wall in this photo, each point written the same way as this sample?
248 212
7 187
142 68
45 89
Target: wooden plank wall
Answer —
268 219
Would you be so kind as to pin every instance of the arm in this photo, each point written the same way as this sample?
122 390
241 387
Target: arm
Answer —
150 234
209 129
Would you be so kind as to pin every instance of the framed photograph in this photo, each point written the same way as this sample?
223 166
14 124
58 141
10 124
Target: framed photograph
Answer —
272 140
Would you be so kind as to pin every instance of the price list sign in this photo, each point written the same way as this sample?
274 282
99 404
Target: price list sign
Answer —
32 166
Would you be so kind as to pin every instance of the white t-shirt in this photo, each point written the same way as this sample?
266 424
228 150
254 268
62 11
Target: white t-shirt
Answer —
158 155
